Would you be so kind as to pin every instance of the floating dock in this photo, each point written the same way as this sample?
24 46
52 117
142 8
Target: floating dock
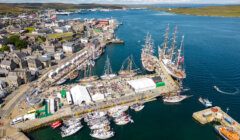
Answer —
216 114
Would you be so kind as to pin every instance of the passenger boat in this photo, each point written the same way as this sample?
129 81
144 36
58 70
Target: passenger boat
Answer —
137 107
73 75
205 102
108 71
56 124
117 111
62 81
128 68
175 99
102 134
94 115
174 65
227 133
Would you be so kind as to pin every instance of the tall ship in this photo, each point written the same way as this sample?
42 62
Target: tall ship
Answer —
108 74
171 57
147 54
73 75
128 68
88 75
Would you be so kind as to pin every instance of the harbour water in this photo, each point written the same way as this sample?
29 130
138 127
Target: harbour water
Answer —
211 56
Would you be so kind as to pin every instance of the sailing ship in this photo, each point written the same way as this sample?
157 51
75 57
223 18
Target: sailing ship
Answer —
62 81
73 75
172 61
108 71
88 77
147 54
127 68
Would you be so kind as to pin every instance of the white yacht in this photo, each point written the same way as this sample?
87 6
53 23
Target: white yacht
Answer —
137 107
122 120
99 125
72 129
102 134
205 102
175 99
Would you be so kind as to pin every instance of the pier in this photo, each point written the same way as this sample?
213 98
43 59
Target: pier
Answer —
216 114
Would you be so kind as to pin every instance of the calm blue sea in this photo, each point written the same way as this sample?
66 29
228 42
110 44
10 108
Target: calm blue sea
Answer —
212 52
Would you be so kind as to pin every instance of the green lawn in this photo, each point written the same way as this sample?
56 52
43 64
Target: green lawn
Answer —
60 35
225 11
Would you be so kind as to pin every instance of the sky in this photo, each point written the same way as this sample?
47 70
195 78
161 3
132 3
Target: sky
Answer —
125 1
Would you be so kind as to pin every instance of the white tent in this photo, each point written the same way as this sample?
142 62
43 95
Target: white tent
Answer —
80 95
143 84
98 97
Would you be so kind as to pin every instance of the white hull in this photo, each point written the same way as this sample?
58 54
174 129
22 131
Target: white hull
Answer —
108 76
164 62
73 131
102 135
175 99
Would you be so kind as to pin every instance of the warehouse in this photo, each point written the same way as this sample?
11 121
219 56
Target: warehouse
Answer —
80 95
143 84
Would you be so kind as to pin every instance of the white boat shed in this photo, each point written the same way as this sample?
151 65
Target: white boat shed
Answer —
80 95
143 84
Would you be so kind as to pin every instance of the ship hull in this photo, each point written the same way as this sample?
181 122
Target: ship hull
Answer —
170 72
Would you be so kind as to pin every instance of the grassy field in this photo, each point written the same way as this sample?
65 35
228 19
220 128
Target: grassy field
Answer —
15 8
60 35
225 11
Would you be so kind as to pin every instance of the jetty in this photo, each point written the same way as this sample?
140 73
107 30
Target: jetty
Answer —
216 114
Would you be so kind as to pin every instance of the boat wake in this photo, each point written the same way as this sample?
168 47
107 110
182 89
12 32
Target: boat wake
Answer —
224 92
185 89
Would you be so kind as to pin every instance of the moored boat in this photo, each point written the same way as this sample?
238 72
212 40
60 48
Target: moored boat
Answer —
227 133
175 99
128 68
62 81
108 71
56 124
102 134
73 75
137 107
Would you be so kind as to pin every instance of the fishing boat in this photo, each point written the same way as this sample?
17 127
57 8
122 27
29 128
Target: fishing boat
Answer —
205 102
137 107
88 77
227 133
73 75
56 124
147 54
127 69
102 134
62 81
108 71
172 61
174 99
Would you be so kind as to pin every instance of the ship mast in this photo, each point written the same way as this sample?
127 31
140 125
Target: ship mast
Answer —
173 44
107 67
163 52
179 52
